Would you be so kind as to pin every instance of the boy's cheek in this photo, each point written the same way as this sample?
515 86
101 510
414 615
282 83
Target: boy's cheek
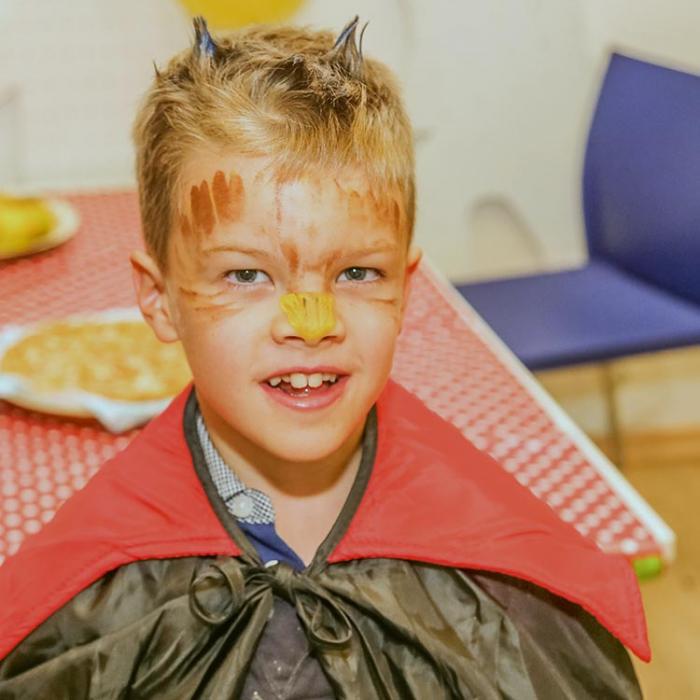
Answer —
216 356
371 332
382 310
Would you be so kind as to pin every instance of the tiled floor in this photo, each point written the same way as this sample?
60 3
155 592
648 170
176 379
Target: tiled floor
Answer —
672 600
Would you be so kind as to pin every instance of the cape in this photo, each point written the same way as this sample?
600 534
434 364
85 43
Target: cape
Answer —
432 497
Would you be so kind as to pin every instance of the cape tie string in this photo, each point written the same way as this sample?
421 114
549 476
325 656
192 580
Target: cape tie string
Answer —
227 587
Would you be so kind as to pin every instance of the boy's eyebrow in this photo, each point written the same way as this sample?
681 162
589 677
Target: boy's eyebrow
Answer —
379 248
333 255
236 249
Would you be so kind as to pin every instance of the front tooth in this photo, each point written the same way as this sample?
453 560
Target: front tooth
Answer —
275 381
298 380
315 380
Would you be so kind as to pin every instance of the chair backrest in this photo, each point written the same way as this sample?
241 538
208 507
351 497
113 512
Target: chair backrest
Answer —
641 181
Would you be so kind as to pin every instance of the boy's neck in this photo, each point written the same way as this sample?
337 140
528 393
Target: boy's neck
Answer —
307 496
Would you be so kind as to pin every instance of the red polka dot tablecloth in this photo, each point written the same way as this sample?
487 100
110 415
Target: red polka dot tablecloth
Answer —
446 355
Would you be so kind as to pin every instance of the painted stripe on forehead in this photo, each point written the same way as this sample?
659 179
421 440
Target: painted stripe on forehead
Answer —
228 196
185 225
289 250
223 202
201 209
363 207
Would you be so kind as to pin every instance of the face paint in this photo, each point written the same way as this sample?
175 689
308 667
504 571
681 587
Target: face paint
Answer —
228 196
278 203
311 314
292 255
202 209
387 210
196 293
185 227
213 306
357 208
368 207
223 202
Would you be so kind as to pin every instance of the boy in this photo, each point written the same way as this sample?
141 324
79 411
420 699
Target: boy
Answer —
296 525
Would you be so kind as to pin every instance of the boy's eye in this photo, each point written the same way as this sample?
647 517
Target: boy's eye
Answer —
246 277
360 274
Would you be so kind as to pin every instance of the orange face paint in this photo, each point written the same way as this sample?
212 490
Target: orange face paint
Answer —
387 210
228 196
357 207
278 203
215 304
362 208
185 226
292 255
201 209
223 202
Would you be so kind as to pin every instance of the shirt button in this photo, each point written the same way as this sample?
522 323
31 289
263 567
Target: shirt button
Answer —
242 505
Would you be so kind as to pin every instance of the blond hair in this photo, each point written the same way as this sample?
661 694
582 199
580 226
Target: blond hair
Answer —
289 93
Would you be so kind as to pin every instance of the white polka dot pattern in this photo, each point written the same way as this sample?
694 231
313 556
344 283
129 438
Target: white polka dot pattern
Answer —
444 361
440 357
45 459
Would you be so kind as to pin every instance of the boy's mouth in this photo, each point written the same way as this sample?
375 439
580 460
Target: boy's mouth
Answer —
314 389
302 384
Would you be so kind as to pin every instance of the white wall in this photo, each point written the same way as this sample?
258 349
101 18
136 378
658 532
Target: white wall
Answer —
500 93
666 32
494 88
81 66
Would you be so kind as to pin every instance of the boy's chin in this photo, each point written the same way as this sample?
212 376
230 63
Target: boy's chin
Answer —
304 455
307 450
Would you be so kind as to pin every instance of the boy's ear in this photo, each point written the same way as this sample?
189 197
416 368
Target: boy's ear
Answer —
415 254
152 297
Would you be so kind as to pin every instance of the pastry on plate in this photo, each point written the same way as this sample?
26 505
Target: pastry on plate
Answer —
120 360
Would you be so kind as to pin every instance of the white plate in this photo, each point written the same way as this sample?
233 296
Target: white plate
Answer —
116 416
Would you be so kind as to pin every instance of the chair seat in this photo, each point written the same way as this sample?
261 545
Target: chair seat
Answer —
584 315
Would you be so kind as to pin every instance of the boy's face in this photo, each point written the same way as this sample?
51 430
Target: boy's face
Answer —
244 239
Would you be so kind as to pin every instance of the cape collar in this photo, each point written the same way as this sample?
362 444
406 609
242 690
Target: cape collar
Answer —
431 496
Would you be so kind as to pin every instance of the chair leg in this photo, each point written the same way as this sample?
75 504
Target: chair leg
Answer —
618 451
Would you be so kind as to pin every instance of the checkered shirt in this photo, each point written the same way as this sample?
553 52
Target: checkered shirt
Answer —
229 486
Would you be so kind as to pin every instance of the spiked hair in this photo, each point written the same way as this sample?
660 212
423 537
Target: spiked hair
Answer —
293 94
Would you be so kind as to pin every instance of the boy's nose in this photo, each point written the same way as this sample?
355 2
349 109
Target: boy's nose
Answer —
309 316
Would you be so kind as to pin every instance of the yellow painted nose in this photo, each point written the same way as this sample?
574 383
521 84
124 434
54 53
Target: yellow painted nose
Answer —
311 314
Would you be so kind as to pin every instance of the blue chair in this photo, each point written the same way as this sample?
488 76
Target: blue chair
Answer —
640 290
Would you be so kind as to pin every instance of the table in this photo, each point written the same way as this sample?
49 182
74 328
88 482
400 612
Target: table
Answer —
446 355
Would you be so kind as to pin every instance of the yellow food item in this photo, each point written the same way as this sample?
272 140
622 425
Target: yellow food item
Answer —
23 222
311 314
120 360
